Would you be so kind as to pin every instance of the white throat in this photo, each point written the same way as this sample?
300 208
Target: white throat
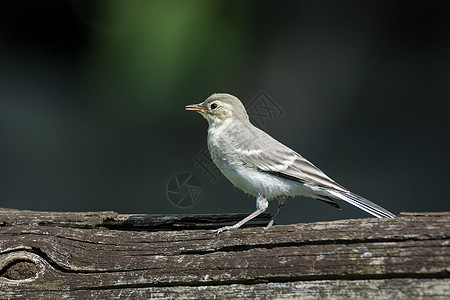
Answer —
221 127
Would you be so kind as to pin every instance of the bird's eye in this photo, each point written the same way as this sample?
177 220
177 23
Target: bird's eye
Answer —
214 106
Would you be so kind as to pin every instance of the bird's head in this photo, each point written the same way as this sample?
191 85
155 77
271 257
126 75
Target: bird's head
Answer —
220 107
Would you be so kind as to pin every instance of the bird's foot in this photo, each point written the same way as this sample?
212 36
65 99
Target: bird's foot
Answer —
269 225
220 230
226 228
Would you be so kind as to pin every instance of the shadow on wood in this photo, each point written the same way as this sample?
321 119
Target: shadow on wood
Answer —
107 255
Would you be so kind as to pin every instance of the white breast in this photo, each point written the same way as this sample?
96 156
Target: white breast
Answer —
229 160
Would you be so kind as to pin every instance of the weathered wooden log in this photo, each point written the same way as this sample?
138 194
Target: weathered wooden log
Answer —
105 255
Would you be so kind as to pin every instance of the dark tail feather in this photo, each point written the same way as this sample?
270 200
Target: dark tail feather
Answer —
363 204
328 201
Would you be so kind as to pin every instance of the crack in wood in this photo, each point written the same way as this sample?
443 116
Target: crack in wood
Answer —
254 281
97 260
237 248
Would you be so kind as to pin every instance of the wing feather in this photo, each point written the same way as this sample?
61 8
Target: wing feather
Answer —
261 151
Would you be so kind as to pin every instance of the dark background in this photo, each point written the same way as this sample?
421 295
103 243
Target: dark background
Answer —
92 97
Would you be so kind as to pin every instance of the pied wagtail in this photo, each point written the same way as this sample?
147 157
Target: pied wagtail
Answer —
261 166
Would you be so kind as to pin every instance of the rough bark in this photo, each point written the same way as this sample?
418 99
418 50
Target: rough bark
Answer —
107 255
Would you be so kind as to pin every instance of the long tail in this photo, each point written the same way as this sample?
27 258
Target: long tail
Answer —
363 204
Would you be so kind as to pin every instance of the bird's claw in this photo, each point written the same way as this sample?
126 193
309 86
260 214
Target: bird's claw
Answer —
220 230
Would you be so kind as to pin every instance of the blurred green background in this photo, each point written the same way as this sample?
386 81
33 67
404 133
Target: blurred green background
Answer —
92 97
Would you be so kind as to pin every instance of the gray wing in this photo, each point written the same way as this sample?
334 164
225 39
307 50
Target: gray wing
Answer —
268 155
265 153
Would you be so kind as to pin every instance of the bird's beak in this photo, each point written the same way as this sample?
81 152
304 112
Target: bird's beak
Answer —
195 107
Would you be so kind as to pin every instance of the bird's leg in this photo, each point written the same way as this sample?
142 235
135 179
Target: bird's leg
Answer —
282 200
261 206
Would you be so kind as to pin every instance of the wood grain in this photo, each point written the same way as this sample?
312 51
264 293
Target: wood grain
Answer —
107 255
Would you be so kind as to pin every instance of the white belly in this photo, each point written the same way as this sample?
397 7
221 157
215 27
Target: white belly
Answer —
253 181
231 162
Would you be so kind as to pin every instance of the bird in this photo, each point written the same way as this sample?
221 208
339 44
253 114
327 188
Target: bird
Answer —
263 167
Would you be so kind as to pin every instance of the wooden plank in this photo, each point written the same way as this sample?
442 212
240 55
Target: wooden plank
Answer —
306 290
113 220
12 217
408 255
